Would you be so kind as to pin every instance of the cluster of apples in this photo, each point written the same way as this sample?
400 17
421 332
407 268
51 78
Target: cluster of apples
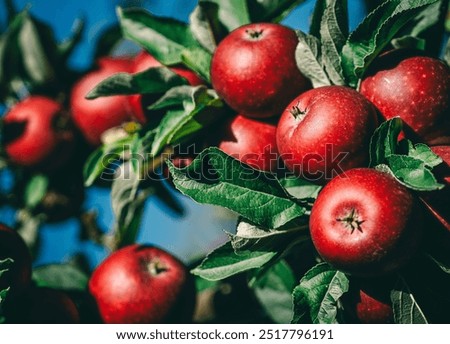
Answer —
363 222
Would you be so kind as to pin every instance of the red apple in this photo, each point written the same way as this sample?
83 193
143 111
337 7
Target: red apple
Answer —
254 69
18 277
366 223
142 284
252 142
31 135
95 116
144 61
416 88
326 131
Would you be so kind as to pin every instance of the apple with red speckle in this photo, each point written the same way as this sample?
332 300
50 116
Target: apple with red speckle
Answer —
366 223
254 69
416 88
326 131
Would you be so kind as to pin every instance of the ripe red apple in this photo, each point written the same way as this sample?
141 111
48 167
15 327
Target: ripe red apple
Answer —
254 69
144 61
35 133
326 131
366 223
142 284
95 116
251 141
42 305
18 277
416 88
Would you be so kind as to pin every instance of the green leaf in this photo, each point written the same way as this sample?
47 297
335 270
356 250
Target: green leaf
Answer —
274 292
271 10
35 190
413 173
102 157
153 80
408 42
66 48
164 38
374 33
254 238
128 204
405 306
206 26
198 60
423 153
333 34
427 28
309 60
316 297
384 141
60 276
316 19
217 178
35 59
231 13
224 262
199 107
300 188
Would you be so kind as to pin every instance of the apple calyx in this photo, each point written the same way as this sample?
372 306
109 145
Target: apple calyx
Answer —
352 221
297 112
255 34
156 267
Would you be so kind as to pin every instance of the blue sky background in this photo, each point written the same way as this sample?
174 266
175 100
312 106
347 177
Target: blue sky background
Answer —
202 227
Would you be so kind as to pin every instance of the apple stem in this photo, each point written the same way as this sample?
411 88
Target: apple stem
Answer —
352 221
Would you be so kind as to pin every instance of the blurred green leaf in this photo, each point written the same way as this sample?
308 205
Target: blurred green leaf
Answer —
102 157
153 80
35 190
34 55
164 38
60 276
274 291
271 10
66 47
